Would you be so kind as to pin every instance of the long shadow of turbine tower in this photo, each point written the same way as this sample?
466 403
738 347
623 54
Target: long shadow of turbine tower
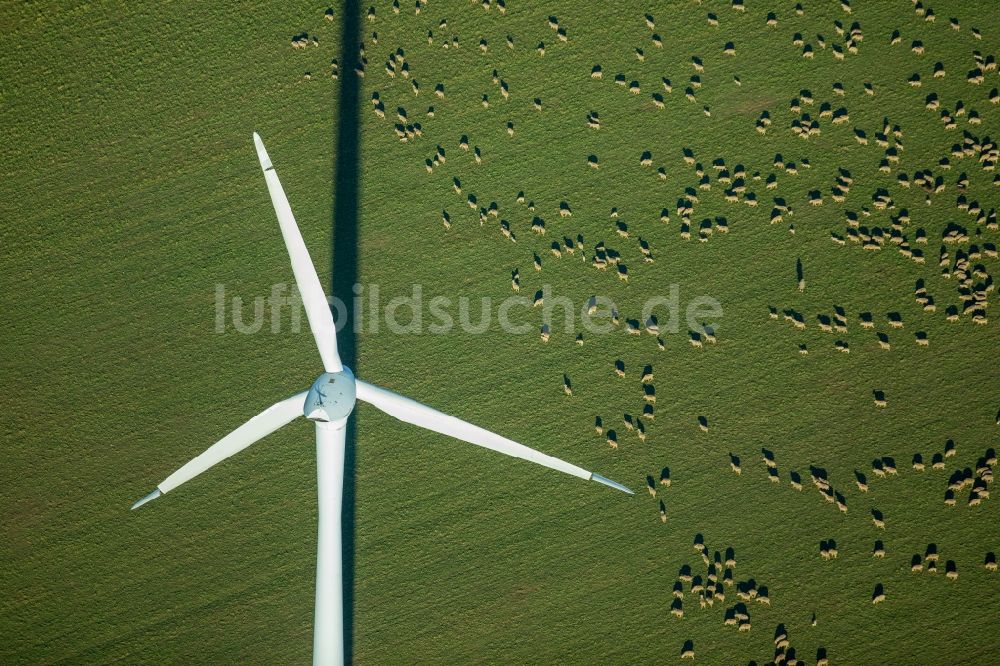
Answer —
346 212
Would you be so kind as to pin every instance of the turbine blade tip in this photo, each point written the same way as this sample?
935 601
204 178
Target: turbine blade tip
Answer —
611 484
265 161
148 498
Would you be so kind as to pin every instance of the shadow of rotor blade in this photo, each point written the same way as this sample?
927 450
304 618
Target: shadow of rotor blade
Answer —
346 212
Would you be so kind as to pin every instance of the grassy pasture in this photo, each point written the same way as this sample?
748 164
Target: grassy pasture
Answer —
129 189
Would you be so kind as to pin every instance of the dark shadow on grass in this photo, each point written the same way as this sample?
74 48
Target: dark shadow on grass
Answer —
346 213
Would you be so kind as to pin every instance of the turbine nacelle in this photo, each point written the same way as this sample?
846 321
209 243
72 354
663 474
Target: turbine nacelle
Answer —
331 398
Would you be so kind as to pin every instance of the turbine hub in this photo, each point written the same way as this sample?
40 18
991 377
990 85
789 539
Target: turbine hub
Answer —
331 398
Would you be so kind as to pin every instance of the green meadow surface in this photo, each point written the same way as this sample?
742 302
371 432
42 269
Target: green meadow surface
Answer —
129 189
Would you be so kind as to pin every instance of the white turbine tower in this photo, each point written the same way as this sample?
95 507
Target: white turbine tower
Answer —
328 403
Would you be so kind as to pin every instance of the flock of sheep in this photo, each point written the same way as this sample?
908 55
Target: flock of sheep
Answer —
720 576
961 258
874 222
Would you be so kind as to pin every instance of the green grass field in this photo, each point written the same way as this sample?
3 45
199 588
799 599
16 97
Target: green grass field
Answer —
129 189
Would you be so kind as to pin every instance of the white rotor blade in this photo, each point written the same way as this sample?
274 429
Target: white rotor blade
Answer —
413 412
256 428
313 297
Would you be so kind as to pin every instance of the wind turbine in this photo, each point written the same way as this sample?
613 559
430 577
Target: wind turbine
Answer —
328 403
